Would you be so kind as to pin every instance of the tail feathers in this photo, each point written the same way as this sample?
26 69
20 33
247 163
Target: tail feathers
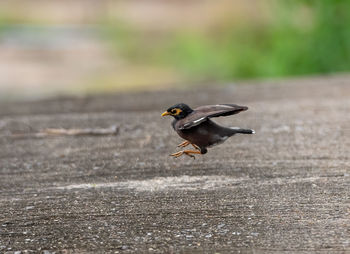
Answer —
243 131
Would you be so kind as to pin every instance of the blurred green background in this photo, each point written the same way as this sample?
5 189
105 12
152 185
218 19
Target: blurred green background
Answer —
52 48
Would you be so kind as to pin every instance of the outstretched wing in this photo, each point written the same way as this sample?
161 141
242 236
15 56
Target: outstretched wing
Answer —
203 113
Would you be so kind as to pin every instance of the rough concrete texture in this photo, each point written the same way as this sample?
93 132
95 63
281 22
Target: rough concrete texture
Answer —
286 188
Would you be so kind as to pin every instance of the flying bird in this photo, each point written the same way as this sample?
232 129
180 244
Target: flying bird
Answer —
196 127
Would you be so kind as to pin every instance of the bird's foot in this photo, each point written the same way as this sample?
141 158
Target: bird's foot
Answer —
184 144
178 154
186 152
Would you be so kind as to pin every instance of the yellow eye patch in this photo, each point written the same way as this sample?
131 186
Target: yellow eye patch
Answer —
176 111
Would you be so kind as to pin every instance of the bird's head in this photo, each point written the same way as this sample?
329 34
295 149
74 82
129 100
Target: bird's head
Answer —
178 111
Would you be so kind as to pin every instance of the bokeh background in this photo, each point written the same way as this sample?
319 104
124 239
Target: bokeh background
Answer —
55 48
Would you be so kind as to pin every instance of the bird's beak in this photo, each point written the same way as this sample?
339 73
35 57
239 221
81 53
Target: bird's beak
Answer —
166 113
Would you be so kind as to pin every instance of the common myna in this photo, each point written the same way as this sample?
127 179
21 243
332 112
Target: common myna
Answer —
196 127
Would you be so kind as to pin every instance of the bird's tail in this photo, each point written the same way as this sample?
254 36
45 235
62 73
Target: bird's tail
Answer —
242 131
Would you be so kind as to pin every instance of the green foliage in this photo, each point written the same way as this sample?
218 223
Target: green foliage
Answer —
289 45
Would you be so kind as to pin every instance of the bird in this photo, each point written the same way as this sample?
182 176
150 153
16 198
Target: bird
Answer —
196 127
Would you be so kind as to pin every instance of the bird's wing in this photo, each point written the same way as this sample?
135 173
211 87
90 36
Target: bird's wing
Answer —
203 113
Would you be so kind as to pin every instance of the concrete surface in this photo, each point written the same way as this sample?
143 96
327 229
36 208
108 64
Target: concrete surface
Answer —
286 188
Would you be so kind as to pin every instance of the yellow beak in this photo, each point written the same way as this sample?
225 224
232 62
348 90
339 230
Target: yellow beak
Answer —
166 113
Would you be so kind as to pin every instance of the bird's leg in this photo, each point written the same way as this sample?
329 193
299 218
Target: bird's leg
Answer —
195 146
184 144
186 152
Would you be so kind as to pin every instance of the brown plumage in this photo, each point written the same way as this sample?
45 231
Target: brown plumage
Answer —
195 126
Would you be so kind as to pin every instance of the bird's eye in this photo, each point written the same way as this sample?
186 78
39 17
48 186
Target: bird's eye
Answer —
173 111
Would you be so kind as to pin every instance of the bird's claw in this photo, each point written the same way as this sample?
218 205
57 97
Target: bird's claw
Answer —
178 154
184 144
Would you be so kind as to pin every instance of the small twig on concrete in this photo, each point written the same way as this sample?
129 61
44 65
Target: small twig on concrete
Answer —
113 130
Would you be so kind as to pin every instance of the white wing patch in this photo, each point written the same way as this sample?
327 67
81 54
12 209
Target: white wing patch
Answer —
223 106
193 123
199 120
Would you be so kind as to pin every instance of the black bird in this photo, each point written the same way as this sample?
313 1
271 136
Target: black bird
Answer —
196 127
